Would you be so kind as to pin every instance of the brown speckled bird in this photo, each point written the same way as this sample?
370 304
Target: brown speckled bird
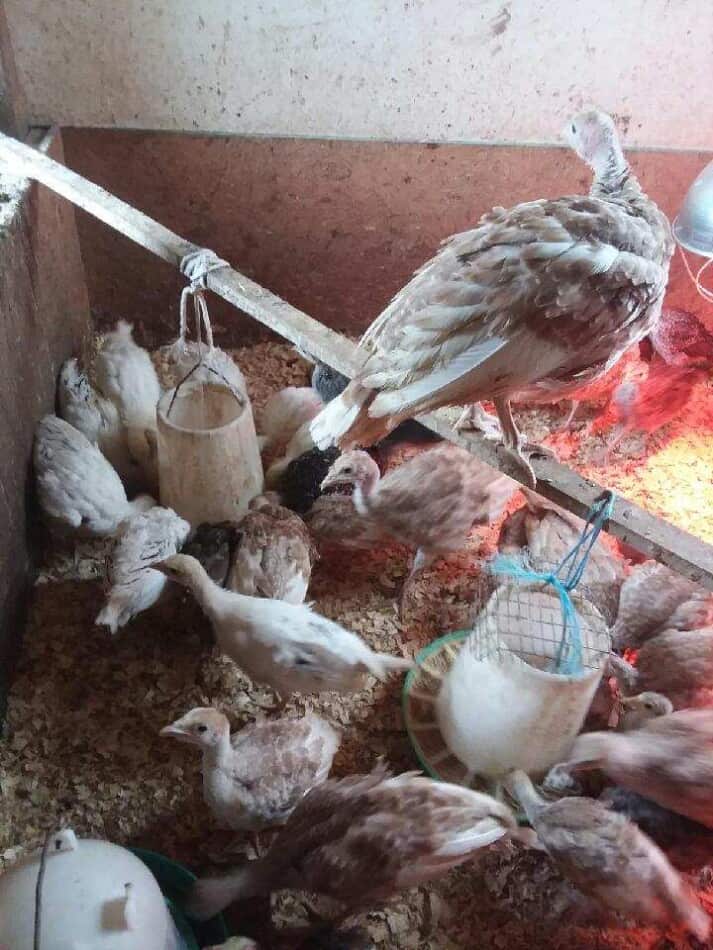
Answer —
333 521
268 553
548 533
679 664
679 336
362 839
275 554
610 859
429 503
668 760
536 301
638 710
649 404
653 598
255 778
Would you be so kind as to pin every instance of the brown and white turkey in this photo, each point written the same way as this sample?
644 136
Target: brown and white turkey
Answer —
532 304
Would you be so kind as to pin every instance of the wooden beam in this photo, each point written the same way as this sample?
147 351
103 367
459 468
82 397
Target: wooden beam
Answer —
649 534
13 107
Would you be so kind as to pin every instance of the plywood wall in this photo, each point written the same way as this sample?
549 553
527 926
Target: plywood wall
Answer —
336 228
44 313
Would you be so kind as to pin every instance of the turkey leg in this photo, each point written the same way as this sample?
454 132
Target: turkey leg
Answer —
513 444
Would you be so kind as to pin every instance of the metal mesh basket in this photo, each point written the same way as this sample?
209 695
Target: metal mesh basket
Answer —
527 620
518 692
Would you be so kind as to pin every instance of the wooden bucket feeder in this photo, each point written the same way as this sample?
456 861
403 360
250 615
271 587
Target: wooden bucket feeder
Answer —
208 458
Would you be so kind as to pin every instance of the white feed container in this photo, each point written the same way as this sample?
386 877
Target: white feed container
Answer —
208 455
95 896
499 708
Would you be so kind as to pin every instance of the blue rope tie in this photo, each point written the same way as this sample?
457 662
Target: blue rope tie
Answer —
564 579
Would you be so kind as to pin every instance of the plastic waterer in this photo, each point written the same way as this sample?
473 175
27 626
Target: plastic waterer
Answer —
95 896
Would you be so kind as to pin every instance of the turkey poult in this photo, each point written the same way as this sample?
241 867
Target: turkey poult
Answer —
610 859
284 645
283 414
78 490
300 444
301 482
216 547
532 304
143 539
268 553
275 554
429 502
98 419
255 778
638 710
679 336
334 522
677 663
124 373
649 404
362 839
654 598
547 534
668 760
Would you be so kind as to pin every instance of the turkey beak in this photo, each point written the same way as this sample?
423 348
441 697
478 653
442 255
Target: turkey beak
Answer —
175 731
628 702
329 480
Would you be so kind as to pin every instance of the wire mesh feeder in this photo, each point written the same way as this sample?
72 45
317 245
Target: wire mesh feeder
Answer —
514 692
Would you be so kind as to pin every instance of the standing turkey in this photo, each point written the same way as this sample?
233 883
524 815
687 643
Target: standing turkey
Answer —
531 305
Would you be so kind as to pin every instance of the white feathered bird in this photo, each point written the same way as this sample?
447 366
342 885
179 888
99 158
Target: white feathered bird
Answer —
287 646
143 539
124 373
98 418
283 414
78 490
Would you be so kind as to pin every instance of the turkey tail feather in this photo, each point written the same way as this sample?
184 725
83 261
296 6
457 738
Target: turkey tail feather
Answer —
341 419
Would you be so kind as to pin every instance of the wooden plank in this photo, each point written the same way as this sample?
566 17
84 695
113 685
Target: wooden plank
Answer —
649 534
13 106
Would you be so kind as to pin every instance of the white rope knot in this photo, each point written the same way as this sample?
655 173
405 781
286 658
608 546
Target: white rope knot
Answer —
196 265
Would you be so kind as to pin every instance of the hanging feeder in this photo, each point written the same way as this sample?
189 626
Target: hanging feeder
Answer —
203 362
505 703
208 453
514 692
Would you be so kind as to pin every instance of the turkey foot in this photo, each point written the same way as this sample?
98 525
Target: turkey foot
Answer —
567 422
476 419
514 446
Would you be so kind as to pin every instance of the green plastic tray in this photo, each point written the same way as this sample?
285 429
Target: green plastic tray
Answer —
412 679
175 882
